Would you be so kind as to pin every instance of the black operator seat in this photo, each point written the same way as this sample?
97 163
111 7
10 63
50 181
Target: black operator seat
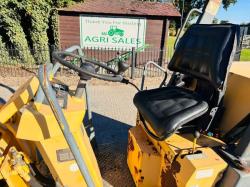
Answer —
205 52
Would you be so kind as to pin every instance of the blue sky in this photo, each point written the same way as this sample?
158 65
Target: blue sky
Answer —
237 13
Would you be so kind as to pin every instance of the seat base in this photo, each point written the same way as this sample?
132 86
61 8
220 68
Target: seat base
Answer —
167 109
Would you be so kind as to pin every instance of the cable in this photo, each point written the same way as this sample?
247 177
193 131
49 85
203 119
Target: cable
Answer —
126 81
134 86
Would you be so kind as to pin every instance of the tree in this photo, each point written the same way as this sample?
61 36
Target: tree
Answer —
224 21
30 26
172 28
227 3
215 21
189 4
12 31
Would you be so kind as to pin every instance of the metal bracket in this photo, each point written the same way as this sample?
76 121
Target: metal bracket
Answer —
145 69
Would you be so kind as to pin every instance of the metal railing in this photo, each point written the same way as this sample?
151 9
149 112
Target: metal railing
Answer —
246 42
23 62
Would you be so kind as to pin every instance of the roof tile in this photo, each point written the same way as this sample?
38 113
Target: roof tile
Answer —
126 7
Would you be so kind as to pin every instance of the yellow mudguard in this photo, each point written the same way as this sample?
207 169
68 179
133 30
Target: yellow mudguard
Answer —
21 97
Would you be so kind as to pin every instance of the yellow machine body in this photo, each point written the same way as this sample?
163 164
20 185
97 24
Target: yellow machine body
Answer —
171 162
32 128
236 99
28 128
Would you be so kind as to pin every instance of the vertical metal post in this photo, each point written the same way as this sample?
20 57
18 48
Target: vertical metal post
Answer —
243 32
133 59
164 36
82 90
91 129
182 12
63 124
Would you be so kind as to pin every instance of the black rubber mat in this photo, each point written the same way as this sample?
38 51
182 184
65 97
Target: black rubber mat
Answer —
111 137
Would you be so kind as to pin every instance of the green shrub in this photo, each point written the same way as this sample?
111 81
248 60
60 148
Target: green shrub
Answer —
30 27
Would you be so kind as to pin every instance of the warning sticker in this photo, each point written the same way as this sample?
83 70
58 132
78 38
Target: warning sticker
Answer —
206 173
64 155
196 156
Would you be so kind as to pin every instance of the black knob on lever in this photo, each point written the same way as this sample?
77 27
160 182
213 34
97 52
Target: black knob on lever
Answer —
197 134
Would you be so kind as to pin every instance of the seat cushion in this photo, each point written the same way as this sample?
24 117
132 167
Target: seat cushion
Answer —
167 109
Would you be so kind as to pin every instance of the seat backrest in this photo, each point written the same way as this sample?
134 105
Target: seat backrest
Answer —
205 52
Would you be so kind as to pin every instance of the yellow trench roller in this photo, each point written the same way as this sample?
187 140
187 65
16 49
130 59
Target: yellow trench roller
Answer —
34 129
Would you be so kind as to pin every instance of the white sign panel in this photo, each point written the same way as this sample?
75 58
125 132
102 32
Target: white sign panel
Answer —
112 32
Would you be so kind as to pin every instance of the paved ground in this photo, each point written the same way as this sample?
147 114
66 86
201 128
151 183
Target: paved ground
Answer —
113 114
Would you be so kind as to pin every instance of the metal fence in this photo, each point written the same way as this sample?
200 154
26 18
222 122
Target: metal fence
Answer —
23 62
246 42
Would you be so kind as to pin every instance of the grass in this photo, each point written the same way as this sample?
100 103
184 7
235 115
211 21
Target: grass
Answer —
245 55
171 41
170 47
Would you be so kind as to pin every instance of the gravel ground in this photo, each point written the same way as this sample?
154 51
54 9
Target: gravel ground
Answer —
113 114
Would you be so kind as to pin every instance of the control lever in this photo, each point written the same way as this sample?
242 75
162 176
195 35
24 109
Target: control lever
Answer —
122 67
196 136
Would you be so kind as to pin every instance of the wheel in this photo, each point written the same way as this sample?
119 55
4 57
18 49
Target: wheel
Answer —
111 33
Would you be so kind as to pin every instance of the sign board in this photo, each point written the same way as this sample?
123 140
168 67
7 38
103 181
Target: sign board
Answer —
112 32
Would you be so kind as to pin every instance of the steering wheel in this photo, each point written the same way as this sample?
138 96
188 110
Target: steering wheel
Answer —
114 75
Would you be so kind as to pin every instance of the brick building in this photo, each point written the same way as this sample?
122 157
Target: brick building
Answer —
116 23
